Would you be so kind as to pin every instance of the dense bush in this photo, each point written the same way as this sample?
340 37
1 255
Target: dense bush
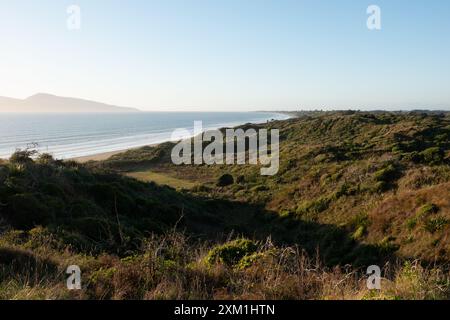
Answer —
225 180
22 156
432 156
232 252
107 210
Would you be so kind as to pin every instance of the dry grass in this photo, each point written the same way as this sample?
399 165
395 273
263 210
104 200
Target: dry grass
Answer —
174 267
421 235
162 179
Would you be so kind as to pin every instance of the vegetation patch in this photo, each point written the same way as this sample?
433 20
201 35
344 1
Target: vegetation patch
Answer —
433 225
231 253
225 180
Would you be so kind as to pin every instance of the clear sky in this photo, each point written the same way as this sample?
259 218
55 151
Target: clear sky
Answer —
215 55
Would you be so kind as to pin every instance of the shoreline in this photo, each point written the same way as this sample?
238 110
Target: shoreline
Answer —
103 155
106 155
98 156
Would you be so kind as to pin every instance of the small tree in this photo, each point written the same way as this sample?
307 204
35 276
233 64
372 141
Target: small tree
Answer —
22 156
45 158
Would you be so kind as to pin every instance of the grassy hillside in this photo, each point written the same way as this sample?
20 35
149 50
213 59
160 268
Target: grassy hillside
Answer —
353 189
368 175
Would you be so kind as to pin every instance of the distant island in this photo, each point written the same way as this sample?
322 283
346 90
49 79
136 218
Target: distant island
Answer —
46 103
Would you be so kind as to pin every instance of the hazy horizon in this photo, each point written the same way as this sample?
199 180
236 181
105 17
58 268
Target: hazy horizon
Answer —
230 55
128 109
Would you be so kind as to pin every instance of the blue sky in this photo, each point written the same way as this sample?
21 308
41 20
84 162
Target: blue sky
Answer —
215 55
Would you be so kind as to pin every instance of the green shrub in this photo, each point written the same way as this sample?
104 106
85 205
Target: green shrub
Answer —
26 211
411 157
103 278
434 155
345 190
249 260
225 180
13 237
387 245
102 192
435 224
411 223
379 187
427 209
386 174
22 156
231 253
397 148
39 237
431 225
359 233
313 207
359 224
53 189
45 158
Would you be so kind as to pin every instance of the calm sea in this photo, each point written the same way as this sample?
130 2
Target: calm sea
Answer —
75 135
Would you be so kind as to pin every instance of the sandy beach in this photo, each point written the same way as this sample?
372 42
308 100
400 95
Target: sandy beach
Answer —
105 155
98 156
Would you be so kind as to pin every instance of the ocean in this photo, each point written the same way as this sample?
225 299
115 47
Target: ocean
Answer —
76 135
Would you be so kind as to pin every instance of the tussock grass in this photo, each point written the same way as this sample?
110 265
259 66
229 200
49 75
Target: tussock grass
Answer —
173 266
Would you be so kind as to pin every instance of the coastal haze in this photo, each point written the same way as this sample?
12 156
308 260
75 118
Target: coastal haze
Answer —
47 103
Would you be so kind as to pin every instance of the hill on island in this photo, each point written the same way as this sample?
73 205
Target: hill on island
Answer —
47 103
